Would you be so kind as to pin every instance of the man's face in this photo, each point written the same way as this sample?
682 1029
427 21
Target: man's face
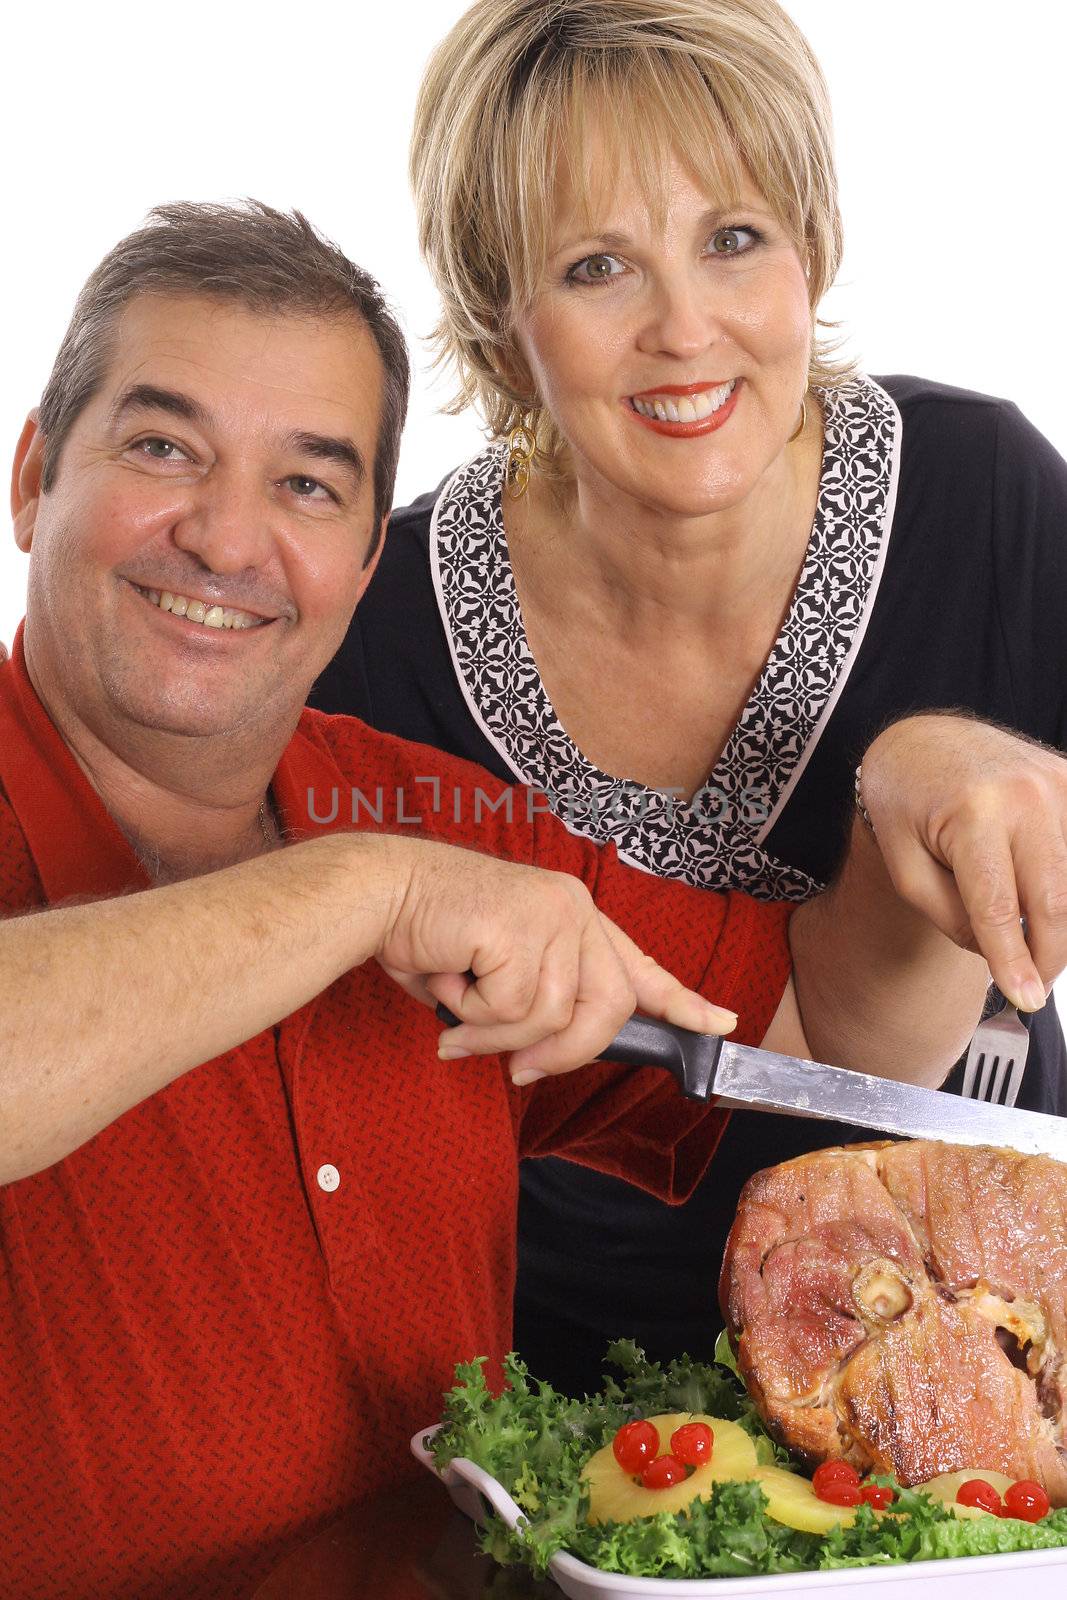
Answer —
227 462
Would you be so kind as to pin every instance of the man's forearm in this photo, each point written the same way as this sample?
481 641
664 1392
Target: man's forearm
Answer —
104 1004
879 987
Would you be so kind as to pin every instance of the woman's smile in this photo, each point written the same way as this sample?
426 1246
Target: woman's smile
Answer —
686 411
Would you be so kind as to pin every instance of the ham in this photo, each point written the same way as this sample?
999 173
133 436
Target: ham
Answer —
904 1306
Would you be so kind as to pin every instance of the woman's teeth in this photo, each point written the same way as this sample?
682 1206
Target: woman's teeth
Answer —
197 611
684 407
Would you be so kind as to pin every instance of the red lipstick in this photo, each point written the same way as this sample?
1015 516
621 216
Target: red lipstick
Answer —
685 430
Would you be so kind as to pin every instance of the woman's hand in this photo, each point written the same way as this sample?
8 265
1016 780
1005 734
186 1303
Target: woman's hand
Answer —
972 824
554 978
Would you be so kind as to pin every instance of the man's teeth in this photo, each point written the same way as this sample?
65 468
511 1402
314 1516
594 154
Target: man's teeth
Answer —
197 611
684 407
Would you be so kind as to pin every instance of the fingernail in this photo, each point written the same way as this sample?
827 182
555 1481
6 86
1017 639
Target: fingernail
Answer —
531 1075
1033 995
452 1052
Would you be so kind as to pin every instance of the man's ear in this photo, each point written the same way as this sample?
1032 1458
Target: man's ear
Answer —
26 473
372 565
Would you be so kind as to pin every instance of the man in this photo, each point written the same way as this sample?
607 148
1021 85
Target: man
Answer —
249 1220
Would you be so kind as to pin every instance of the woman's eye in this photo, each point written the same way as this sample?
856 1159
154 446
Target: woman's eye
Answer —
733 241
595 269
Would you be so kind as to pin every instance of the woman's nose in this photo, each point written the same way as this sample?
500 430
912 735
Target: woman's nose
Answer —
682 319
226 526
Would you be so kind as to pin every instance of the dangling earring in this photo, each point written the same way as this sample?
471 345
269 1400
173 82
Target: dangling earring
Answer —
801 424
521 448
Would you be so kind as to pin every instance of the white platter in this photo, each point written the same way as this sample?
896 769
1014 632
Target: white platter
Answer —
1033 1574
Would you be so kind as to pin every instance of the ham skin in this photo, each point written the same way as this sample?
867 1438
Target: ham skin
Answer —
904 1306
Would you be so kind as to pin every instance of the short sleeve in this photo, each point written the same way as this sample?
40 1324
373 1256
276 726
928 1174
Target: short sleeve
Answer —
1030 568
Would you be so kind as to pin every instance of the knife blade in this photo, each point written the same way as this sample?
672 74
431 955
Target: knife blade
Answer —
744 1078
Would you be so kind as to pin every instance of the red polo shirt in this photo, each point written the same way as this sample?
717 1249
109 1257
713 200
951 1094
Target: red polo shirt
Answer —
222 1318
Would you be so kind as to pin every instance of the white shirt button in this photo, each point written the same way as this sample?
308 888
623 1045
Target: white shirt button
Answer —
328 1178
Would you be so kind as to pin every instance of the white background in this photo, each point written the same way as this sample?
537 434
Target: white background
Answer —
950 137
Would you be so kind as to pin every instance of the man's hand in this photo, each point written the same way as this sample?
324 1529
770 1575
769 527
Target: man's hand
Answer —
972 824
554 980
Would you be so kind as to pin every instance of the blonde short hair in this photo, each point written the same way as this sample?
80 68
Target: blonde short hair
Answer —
515 85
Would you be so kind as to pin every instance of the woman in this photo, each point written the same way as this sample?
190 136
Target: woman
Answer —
705 559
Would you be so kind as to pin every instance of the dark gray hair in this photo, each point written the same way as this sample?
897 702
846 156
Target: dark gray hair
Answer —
249 253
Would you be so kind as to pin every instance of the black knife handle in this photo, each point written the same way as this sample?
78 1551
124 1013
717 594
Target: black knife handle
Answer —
645 1042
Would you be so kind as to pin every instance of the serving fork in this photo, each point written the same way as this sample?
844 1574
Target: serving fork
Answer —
996 1059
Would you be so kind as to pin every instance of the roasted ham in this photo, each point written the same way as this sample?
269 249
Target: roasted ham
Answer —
904 1306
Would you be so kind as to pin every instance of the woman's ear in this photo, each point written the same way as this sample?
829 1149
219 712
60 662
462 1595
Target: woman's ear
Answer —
26 474
513 369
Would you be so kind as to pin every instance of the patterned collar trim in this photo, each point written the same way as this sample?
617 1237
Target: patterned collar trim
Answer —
716 840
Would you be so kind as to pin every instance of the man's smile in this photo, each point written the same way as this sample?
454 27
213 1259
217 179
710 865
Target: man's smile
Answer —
208 613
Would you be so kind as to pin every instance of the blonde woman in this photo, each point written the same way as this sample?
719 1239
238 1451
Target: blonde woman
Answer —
704 559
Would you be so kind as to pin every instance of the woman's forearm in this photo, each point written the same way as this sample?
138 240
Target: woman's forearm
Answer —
878 986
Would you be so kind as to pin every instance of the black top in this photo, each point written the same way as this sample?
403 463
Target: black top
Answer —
936 578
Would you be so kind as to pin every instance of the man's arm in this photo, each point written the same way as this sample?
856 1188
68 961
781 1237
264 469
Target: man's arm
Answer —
106 1003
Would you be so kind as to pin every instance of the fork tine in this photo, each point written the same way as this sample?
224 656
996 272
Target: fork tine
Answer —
974 1061
1015 1078
985 1082
1000 1078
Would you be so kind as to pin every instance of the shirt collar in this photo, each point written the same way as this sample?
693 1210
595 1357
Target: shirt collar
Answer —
307 779
77 848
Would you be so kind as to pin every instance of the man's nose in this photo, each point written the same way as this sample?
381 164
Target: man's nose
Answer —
227 524
683 317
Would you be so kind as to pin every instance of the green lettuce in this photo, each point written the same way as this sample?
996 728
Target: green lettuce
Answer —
535 1441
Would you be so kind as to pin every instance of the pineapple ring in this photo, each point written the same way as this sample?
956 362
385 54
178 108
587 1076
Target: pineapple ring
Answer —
792 1500
614 1496
945 1487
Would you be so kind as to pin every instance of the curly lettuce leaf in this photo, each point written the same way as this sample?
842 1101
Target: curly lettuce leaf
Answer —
535 1441
530 1437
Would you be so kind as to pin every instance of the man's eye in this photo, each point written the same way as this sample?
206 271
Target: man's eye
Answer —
307 488
159 449
595 269
733 241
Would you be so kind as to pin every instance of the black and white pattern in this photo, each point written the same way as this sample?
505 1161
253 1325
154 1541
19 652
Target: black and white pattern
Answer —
716 841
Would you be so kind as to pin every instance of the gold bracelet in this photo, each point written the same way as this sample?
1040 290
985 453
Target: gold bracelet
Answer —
860 807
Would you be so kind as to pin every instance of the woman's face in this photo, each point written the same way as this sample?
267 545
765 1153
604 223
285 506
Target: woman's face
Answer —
673 359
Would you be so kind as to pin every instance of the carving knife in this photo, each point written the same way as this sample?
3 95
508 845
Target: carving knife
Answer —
742 1077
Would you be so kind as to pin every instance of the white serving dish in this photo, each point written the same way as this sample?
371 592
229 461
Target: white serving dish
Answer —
1033 1574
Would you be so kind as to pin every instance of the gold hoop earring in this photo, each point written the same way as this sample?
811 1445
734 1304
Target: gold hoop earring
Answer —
801 424
521 449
